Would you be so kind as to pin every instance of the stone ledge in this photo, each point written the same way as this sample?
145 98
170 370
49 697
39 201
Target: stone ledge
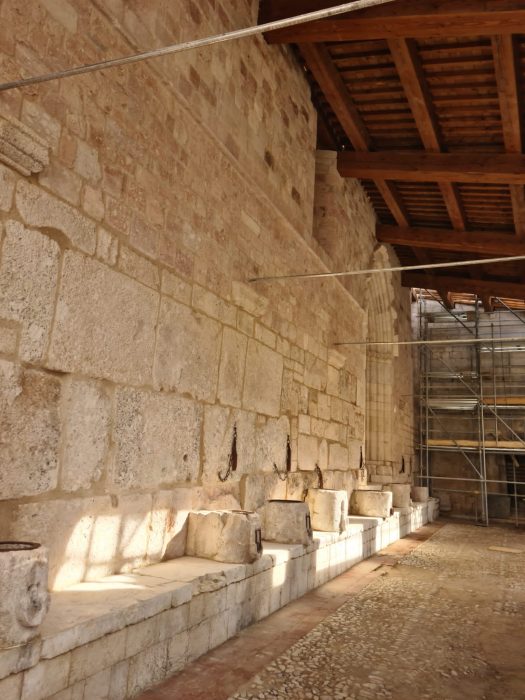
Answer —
179 609
21 148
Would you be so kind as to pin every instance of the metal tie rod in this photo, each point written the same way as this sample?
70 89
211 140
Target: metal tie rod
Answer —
465 341
352 273
197 43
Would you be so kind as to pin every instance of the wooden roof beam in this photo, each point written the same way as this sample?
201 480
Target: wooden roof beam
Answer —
408 64
329 80
488 304
497 288
405 18
319 62
478 242
505 66
439 167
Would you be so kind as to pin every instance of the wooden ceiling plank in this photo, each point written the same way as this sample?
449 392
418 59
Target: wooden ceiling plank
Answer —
497 288
415 166
479 242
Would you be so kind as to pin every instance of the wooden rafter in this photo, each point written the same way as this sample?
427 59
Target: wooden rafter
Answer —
497 288
320 64
505 66
408 64
405 18
329 80
439 167
479 242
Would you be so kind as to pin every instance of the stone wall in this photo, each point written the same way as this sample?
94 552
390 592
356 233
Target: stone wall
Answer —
131 341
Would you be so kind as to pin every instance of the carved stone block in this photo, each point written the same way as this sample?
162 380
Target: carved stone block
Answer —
21 148
24 598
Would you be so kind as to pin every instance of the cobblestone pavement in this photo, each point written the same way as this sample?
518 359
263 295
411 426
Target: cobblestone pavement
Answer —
446 623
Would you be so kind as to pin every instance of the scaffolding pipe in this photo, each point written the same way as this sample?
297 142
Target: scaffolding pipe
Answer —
196 43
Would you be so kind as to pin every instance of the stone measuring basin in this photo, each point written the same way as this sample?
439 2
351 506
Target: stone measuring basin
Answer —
328 509
229 536
287 522
377 504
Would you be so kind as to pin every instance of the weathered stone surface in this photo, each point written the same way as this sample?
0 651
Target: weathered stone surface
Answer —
28 279
420 493
86 412
226 536
7 188
188 351
21 148
263 379
287 522
308 452
248 299
377 504
328 509
219 426
338 457
169 523
257 489
38 208
157 439
24 599
8 337
104 323
29 429
46 678
231 374
87 538
400 494
271 443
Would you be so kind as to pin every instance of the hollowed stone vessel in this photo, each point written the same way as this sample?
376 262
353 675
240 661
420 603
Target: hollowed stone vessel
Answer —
24 598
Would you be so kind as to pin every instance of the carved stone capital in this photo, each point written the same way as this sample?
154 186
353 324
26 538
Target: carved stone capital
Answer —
21 148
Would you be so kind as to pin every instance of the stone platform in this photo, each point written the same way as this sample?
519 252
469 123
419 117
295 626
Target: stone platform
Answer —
115 637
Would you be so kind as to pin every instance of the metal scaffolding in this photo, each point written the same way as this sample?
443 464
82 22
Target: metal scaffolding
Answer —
472 408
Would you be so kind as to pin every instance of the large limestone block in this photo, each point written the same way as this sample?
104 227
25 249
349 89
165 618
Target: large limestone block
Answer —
376 504
104 323
233 357
256 489
400 494
28 279
219 425
328 509
419 493
156 438
287 522
263 379
227 536
24 600
86 413
87 538
271 444
188 351
40 209
21 148
29 431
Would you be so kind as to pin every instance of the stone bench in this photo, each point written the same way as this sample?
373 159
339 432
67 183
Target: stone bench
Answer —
118 635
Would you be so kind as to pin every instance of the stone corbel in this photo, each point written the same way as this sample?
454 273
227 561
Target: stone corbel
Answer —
21 148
